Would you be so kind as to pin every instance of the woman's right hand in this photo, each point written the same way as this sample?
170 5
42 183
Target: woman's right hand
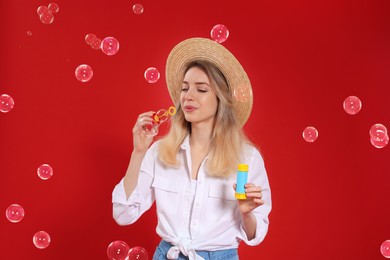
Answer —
142 141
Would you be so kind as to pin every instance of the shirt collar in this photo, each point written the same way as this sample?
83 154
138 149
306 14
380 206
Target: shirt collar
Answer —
186 143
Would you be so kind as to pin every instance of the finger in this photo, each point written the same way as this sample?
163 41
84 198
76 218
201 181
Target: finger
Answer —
145 116
253 189
250 185
143 119
259 202
256 195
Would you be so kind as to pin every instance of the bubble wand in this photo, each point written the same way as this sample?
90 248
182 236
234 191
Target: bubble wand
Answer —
161 116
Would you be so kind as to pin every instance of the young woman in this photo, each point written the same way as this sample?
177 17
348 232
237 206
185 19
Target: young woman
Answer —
191 172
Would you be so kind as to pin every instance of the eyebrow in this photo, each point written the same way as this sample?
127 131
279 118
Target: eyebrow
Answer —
197 83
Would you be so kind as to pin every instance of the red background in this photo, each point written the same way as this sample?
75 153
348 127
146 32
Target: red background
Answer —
330 197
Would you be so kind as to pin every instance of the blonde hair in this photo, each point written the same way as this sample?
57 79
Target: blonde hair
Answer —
227 138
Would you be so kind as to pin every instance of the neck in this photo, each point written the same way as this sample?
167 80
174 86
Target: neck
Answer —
201 136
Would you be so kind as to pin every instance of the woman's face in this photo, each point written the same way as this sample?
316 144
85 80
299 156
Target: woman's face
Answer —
198 100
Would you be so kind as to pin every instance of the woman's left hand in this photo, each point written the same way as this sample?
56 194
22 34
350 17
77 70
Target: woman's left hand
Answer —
253 200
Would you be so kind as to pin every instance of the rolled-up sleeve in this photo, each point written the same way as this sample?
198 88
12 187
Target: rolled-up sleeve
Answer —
257 174
128 210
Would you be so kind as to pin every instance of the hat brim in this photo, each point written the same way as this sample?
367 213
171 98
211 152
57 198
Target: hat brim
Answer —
195 49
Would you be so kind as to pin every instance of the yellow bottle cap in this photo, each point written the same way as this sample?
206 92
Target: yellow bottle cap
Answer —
243 167
240 196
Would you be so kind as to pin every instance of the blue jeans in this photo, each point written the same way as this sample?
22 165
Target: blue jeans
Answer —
227 254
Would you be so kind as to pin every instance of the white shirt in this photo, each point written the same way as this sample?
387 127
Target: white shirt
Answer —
197 214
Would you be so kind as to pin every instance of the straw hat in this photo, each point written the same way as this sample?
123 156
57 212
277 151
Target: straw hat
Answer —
205 49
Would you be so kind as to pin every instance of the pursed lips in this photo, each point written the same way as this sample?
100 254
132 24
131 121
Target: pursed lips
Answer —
189 108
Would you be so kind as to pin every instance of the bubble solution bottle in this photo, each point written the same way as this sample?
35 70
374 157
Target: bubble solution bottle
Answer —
242 179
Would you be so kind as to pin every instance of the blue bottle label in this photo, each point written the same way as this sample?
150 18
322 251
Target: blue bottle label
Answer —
242 179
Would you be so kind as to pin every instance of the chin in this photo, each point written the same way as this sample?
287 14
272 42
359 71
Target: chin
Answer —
189 119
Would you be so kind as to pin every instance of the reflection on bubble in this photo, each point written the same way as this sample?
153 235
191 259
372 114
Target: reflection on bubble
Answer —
6 103
110 46
54 8
152 75
138 9
138 253
84 73
29 33
310 134
352 105
45 171
242 93
385 249
14 213
219 33
117 250
41 239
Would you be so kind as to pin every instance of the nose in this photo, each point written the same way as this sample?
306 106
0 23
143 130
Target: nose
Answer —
189 95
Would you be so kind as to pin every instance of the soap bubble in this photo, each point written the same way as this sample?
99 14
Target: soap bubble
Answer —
54 8
6 103
96 43
161 116
378 130
378 135
117 250
14 213
310 134
47 18
84 73
352 105
219 33
138 253
41 239
152 75
242 93
110 46
138 9
42 9
45 171
148 127
385 249
380 143
89 38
